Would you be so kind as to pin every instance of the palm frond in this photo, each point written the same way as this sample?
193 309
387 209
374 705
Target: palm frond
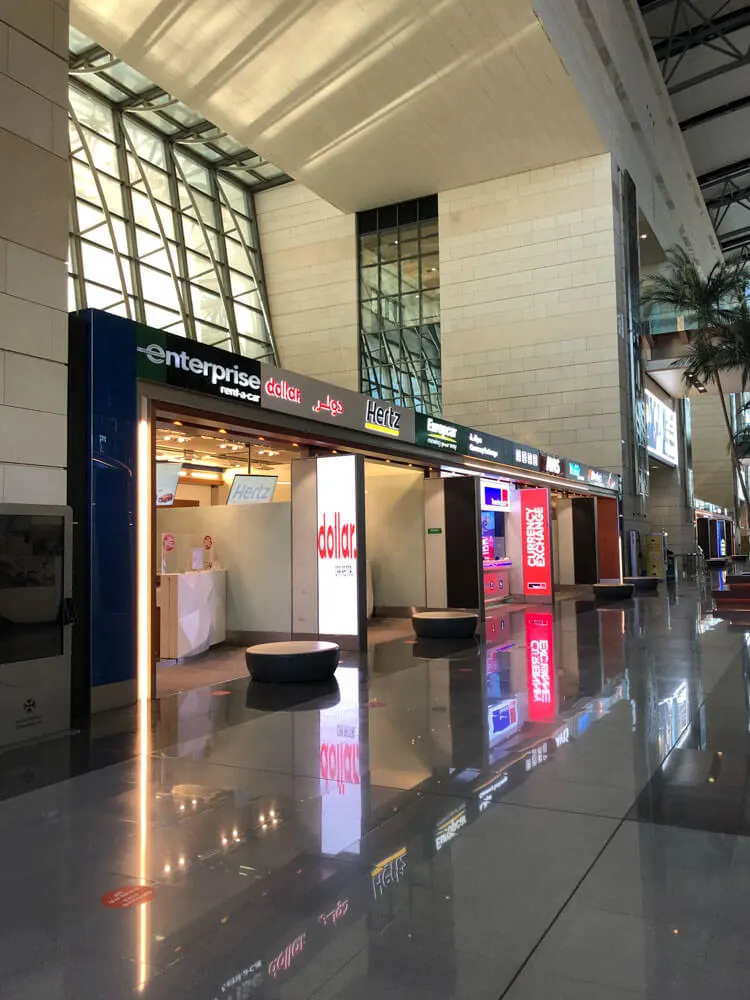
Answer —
709 302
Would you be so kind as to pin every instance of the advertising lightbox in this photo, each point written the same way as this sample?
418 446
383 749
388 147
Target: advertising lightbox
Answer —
167 477
495 495
251 489
535 539
661 422
337 546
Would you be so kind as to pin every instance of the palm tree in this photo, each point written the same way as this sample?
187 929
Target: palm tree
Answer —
704 360
709 302
716 305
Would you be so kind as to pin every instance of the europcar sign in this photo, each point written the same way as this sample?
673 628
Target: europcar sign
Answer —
188 364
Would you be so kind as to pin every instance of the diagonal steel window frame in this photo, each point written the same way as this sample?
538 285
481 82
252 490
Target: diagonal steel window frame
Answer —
129 264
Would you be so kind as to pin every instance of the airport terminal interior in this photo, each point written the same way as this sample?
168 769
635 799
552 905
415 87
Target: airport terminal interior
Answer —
374 499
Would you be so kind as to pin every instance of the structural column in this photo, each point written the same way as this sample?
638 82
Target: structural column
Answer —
34 182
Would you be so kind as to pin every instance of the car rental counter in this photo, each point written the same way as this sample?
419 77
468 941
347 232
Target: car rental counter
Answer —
192 612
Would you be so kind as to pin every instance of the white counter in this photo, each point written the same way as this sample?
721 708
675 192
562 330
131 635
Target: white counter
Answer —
193 612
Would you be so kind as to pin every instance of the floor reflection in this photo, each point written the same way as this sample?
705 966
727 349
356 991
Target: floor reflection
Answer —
413 829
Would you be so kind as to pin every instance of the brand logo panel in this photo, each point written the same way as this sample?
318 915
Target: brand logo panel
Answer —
306 397
163 357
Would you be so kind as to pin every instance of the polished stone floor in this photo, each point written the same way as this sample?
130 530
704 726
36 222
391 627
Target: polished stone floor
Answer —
560 811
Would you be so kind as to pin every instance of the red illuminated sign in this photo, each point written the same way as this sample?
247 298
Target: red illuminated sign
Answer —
337 540
281 389
333 406
540 665
535 532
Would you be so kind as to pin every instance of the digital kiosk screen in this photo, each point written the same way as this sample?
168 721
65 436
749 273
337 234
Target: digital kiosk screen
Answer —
31 587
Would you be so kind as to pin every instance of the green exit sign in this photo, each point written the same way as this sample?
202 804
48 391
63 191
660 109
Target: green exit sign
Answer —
434 531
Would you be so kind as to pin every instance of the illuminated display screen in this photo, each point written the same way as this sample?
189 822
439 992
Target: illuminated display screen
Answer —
661 422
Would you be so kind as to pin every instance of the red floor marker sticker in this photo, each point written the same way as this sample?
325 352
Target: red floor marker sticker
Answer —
127 896
219 694
374 704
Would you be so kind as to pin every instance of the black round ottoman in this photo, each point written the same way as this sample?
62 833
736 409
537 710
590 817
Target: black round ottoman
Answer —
444 624
296 662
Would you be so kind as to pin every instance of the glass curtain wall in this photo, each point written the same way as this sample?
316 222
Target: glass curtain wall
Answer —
399 291
162 220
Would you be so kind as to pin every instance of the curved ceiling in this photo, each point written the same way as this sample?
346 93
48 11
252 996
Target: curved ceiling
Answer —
364 103
703 49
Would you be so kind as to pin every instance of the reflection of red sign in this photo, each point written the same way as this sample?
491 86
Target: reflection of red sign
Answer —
537 565
340 910
168 543
540 665
339 762
207 542
128 895
285 958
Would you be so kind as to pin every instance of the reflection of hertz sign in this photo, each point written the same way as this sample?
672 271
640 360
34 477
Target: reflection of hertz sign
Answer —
383 419
388 871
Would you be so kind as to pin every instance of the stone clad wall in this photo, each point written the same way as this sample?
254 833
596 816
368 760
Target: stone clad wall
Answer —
34 182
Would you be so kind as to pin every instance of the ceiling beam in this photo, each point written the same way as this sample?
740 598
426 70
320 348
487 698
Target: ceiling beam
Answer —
723 109
735 239
87 57
724 173
648 5
722 200
711 30
711 74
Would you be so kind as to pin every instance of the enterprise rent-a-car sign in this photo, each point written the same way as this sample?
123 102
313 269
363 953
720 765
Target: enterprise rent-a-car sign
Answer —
163 357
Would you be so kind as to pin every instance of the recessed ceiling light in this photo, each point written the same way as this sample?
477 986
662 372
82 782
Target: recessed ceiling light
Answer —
644 236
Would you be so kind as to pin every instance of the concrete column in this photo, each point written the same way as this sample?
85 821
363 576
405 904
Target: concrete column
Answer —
309 253
34 181
667 510
712 464
528 282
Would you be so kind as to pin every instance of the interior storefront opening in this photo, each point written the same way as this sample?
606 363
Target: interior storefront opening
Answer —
222 536
222 526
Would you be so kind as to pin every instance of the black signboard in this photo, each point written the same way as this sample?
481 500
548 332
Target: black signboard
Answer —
163 357
435 432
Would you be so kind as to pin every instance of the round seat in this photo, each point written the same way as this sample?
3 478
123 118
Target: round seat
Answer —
295 662
444 624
